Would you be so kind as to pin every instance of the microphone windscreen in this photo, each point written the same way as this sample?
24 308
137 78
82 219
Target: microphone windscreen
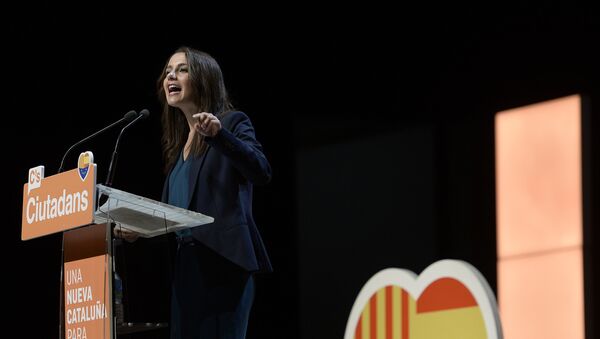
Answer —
145 113
129 116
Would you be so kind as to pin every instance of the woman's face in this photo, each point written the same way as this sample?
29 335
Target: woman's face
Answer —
177 84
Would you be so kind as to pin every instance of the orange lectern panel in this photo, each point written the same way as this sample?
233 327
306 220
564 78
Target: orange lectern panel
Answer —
540 220
59 202
87 298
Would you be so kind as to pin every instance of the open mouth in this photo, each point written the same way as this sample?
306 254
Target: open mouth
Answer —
174 89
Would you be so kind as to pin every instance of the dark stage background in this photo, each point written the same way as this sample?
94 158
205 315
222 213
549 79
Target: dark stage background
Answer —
378 125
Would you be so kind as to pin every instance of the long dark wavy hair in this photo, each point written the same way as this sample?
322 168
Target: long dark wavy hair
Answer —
209 94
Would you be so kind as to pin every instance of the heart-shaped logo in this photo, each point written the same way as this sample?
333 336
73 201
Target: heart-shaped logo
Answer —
449 300
83 164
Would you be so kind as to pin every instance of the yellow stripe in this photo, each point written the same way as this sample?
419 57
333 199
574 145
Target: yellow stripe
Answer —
412 312
381 313
460 323
396 312
366 322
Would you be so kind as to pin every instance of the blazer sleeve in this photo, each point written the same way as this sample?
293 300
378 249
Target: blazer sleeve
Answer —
237 141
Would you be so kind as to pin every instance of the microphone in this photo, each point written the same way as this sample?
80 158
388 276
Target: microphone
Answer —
129 116
113 161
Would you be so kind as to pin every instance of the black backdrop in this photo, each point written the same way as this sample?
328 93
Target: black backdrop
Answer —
378 124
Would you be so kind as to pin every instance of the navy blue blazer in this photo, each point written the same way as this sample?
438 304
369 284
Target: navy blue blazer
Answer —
220 184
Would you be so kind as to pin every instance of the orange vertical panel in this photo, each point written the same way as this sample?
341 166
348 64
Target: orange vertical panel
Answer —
539 220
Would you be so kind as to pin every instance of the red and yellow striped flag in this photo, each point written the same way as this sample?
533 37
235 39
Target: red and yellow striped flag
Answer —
445 307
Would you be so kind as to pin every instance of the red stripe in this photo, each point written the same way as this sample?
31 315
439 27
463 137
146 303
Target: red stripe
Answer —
358 334
445 294
373 306
404 314
388 312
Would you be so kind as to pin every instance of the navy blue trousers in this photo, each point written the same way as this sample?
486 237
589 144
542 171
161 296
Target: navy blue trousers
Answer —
211 297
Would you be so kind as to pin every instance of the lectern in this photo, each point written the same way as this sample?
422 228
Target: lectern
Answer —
86 213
